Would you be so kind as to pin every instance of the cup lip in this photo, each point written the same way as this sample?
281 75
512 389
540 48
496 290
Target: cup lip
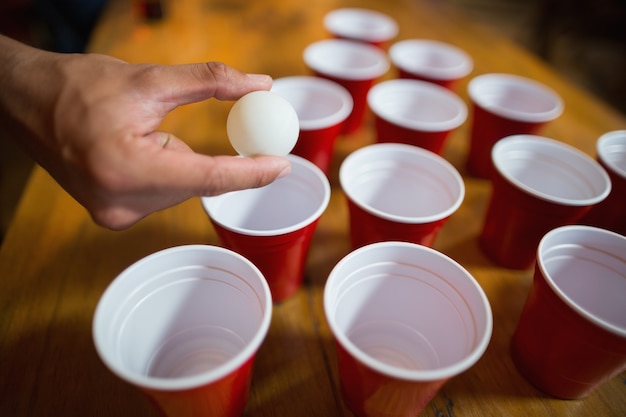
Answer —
417 87
478 82
616 240
615 138
380 27
417 152
398 51
319 84
551 144
442 373
193 381
296 161
314 57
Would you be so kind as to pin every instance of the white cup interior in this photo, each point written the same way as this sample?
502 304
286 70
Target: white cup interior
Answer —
182 317
363 24
283 206
514 97
319 103
417 105
551 170
346 59
402 183
432 59
586 267
611 149
407 311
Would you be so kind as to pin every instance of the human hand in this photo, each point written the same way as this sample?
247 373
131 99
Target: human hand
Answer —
91 120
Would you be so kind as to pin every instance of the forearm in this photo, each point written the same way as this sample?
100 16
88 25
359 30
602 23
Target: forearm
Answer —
27 95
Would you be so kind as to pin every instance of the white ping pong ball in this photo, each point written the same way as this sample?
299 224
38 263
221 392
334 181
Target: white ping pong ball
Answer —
262 123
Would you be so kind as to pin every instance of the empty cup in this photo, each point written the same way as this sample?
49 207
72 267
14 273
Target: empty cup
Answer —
352 64
362 25
430 60
273 225
405 319
505 105
538 184
611 212
322 107
571 335
415 112
184 325
398 192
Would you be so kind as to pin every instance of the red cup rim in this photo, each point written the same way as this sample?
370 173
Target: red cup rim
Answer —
420 91
362 24
315 85
484 90
329 57
418 252
298 166
611 147
577 162
205 252
615 247
443 60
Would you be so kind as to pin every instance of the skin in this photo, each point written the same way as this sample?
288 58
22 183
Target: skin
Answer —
90 120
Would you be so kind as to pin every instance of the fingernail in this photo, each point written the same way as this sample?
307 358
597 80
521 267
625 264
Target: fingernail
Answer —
260 77
286 171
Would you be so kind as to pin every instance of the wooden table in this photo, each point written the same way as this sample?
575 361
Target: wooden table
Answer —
55 263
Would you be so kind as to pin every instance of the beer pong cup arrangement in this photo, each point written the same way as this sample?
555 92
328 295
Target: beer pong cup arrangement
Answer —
362 25
611 212
398 192
272 226
538 184
505 105
415 112
352 64
184 325
430 60
322 107
405 319
571 335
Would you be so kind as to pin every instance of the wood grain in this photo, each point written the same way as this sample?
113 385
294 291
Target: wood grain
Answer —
55 263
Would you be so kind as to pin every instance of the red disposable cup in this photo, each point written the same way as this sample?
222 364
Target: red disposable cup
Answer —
363 25
405 319
398 192
538 184
415 112
184 325
354 65
322 107
272 226
505 105
571 335
430 60
611 212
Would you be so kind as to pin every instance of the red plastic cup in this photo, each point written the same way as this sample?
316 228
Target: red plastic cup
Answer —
363 25
611 212
184 325
405 319
398 192
322 107
272 226
415 112
354 65
429 60
505 105
571 335
538 184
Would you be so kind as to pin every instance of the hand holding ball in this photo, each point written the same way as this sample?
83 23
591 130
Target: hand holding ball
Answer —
262 123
